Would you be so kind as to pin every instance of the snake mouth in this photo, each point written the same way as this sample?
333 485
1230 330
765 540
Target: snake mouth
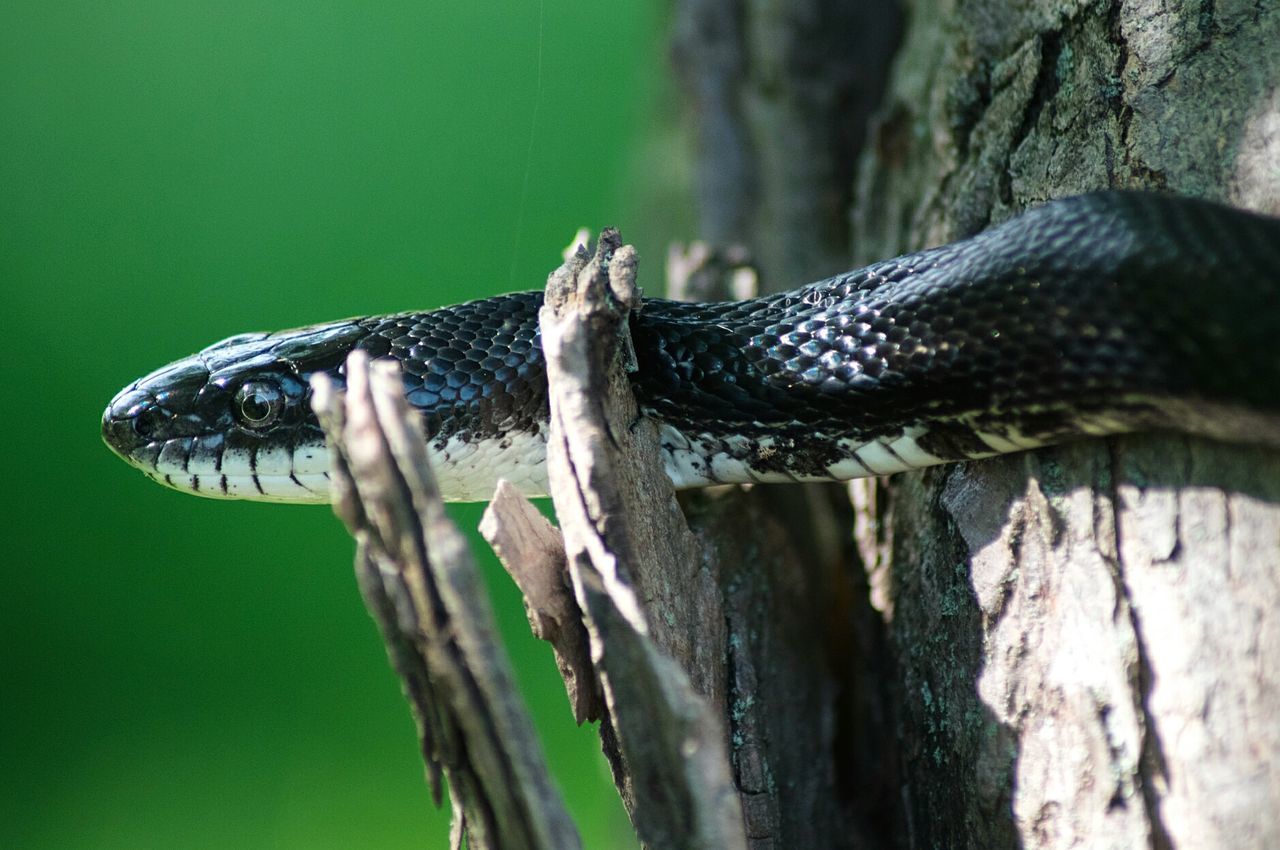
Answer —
291 489
206 466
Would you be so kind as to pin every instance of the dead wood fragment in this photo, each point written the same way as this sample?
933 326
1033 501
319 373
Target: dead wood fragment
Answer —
532 552
630 552
421 586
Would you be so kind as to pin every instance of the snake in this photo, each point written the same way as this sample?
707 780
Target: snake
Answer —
1087 316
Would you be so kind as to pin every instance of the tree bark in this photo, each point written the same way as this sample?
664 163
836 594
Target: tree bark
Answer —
1085 636
423 590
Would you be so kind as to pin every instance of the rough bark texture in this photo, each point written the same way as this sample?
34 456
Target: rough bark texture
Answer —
634 566
1086 637
532 550
426 595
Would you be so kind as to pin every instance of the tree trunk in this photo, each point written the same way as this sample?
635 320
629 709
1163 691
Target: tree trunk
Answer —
1085 636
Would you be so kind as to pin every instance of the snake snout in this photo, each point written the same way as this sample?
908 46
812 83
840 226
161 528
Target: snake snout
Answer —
130 422
150 411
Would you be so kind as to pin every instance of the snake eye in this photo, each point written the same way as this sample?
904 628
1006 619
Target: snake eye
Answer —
259 403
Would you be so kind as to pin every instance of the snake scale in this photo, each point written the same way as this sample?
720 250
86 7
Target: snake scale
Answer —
1098 314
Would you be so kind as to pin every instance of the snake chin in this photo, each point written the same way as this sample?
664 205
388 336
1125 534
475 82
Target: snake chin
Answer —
206 467
288 489
466 470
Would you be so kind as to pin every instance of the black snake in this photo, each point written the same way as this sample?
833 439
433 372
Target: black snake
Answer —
1099 314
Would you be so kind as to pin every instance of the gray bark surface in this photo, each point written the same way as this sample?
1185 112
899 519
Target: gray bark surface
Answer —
634 566
1085 635
424 591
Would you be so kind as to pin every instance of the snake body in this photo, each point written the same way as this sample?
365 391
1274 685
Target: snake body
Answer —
1098 314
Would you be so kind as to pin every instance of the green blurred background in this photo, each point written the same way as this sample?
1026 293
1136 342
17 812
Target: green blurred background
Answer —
191 673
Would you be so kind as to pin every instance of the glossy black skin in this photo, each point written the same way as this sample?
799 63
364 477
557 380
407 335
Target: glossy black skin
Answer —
191 404
1075 306
1079 305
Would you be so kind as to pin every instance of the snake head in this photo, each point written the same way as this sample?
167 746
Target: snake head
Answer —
234 420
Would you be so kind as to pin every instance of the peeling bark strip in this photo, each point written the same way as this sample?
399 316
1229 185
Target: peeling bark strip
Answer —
624 536
422 588
532 552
